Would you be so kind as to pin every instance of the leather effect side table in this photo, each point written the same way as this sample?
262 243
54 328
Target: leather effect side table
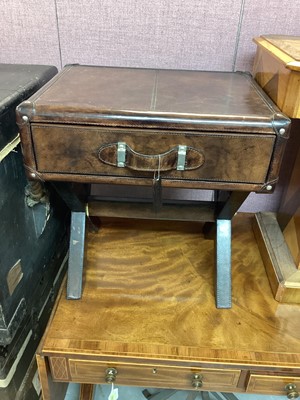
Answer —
164 128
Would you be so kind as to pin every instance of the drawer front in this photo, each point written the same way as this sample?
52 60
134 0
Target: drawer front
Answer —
271 384
209 156
153 375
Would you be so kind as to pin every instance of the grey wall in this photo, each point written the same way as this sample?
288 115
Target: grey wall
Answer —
184 34
193 34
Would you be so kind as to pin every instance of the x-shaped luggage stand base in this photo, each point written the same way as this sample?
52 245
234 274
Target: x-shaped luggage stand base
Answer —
221 229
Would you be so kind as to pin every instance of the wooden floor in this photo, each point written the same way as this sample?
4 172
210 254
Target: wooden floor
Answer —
149 293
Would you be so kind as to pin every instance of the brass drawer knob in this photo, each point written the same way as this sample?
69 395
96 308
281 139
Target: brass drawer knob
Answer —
291 391
110 375
197 381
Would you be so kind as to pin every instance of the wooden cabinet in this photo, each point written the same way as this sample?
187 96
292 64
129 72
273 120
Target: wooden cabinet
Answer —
147 316
277 70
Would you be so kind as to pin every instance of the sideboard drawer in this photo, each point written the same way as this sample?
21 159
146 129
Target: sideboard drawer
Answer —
272 384
154 375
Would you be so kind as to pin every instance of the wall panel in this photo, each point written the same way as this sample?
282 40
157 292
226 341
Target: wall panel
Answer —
265 17
166 34
28 32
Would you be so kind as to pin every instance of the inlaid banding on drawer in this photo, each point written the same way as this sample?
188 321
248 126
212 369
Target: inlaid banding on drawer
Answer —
153 375
271 384
59 368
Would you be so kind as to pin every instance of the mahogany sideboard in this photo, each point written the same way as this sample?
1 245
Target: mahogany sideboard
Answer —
147 317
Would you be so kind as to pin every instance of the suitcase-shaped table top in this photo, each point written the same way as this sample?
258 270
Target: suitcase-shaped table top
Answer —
199 129
103 95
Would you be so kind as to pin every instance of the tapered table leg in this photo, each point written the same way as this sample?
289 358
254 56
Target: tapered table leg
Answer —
86 391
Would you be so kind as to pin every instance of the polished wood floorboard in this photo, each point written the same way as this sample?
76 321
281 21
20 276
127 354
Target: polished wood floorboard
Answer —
149 294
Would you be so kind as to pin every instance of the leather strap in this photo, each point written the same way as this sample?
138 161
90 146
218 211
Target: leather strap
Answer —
143 162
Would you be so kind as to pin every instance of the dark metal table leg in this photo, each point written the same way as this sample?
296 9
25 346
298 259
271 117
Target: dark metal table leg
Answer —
223 263
76 255
224 216
77 238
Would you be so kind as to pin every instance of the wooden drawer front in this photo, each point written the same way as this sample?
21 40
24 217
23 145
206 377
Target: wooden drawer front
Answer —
271 384
153 375
213 157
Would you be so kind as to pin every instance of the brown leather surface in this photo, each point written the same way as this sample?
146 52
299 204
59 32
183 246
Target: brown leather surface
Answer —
75 149
225 117
125 96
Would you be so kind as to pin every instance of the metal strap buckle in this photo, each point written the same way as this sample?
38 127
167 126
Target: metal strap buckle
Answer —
121 154
181 158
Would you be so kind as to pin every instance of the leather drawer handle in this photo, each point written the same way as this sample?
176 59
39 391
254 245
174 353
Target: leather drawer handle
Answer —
179 157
